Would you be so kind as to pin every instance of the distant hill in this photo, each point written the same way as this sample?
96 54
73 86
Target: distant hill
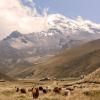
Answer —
5 77
81 60
74 62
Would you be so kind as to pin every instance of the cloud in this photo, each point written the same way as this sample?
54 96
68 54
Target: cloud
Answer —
30 0
15 16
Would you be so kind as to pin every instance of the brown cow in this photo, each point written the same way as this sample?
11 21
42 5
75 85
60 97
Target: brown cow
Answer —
35 93
41 88
57 90
22 90
45 91
17 89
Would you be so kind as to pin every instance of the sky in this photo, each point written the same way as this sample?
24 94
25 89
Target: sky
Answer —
16 16
88 9
29 16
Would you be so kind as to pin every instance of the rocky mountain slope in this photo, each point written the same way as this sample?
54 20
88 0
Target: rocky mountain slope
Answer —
73 62
20 51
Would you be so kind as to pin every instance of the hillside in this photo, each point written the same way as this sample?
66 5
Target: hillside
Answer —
74 62
4 77
94 76
22 54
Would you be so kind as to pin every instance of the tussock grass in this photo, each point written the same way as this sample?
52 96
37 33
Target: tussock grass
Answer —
7 92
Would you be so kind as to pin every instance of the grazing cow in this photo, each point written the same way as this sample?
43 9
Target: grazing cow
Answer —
41 88
65 92
82 86
22 90
70 88
57 90
75 86
35 93
17 89
48 88
45 91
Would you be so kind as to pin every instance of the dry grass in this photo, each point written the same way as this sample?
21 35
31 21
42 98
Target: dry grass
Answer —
7 92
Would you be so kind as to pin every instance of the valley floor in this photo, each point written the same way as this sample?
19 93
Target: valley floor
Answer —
83 91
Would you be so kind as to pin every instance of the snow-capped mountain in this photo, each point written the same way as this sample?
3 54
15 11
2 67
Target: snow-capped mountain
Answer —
62 33
22 50
70 25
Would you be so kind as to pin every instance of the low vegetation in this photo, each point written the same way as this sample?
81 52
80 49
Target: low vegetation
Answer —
76 91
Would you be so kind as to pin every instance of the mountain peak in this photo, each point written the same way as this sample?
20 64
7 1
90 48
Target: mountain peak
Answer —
15 34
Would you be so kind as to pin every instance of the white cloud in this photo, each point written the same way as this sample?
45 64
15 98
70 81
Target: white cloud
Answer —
14 16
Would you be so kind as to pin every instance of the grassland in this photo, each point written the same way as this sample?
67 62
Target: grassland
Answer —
86 91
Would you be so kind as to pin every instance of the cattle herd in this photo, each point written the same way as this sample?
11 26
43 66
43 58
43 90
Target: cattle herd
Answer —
36 91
